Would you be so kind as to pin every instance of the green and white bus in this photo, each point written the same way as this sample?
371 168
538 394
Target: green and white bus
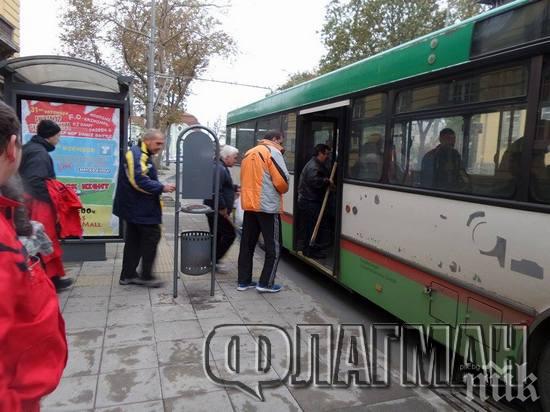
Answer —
477 252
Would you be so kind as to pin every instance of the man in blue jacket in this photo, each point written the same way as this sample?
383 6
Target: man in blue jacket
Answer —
137 202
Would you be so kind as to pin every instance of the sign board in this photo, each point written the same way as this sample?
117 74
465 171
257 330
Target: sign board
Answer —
86 158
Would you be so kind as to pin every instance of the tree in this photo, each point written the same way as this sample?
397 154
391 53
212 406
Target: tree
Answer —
459 10
116 32
357 29
297 78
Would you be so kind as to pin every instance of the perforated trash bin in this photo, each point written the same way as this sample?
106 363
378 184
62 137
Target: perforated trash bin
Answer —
196 252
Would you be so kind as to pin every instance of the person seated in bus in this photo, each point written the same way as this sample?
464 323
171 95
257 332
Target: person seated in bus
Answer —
510 165
313 183
371 159
442 167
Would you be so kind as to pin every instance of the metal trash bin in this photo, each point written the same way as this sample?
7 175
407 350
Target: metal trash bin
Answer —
195 252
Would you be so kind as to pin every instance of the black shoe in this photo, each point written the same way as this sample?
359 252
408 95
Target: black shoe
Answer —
316 254
127 280
61 283
149 283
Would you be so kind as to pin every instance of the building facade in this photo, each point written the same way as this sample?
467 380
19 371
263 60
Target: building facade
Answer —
9 28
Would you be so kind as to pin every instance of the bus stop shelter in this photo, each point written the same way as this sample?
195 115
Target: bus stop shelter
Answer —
91 103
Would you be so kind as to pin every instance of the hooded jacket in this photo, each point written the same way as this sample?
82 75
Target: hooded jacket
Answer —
137 198
36 167
264 178
32 331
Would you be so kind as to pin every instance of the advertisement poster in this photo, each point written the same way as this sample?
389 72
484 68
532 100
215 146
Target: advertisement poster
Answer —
86 157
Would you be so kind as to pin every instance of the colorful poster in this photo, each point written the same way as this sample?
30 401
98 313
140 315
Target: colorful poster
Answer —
86 158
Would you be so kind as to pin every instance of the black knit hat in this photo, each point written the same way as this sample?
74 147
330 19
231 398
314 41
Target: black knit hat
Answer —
47 128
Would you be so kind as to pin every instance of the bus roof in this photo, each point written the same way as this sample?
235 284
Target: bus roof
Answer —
418 56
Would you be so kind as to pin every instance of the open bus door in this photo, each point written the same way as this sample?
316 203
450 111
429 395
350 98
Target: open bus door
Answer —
314 127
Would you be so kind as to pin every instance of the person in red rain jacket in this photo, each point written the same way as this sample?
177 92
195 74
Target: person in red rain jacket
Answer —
67 205
33 349
35 170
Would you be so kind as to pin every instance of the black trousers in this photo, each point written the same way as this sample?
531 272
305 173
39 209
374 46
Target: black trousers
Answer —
225 236
269 225
308 213
141 243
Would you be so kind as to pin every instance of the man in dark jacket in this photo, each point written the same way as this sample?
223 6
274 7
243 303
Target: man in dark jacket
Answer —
314 180
137 201
36 168
442 167
226 231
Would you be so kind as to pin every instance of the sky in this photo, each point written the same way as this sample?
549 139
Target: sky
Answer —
275 38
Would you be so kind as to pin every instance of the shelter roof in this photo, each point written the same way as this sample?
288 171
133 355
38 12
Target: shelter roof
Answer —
61 71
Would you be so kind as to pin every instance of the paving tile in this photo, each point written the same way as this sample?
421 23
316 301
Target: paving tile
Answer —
62 297
154 406
72 394
85 338
204 297
128 301
181 329
128 357
129 334
94 280
82 362
134 290
333 398
180 351
128 387
269 318
213 310
92 304
165 297
246 346
83 320
276 399
185 380
99 270
209 324
168 313
136 315
200 402
245 306
406 404
90 291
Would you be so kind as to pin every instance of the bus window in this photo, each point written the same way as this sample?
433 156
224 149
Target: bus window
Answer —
265 125
494 151
366 152
427 153
540 162
231 135
289 130
245 136
503 83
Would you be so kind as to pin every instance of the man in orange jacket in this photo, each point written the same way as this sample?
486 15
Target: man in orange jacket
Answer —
264 179
32 332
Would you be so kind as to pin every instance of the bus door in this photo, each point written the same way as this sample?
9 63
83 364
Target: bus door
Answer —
317 224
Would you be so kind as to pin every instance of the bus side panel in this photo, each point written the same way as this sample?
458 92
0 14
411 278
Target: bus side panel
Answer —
500 250
420 298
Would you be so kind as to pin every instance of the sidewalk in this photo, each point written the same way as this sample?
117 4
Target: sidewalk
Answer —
137 349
